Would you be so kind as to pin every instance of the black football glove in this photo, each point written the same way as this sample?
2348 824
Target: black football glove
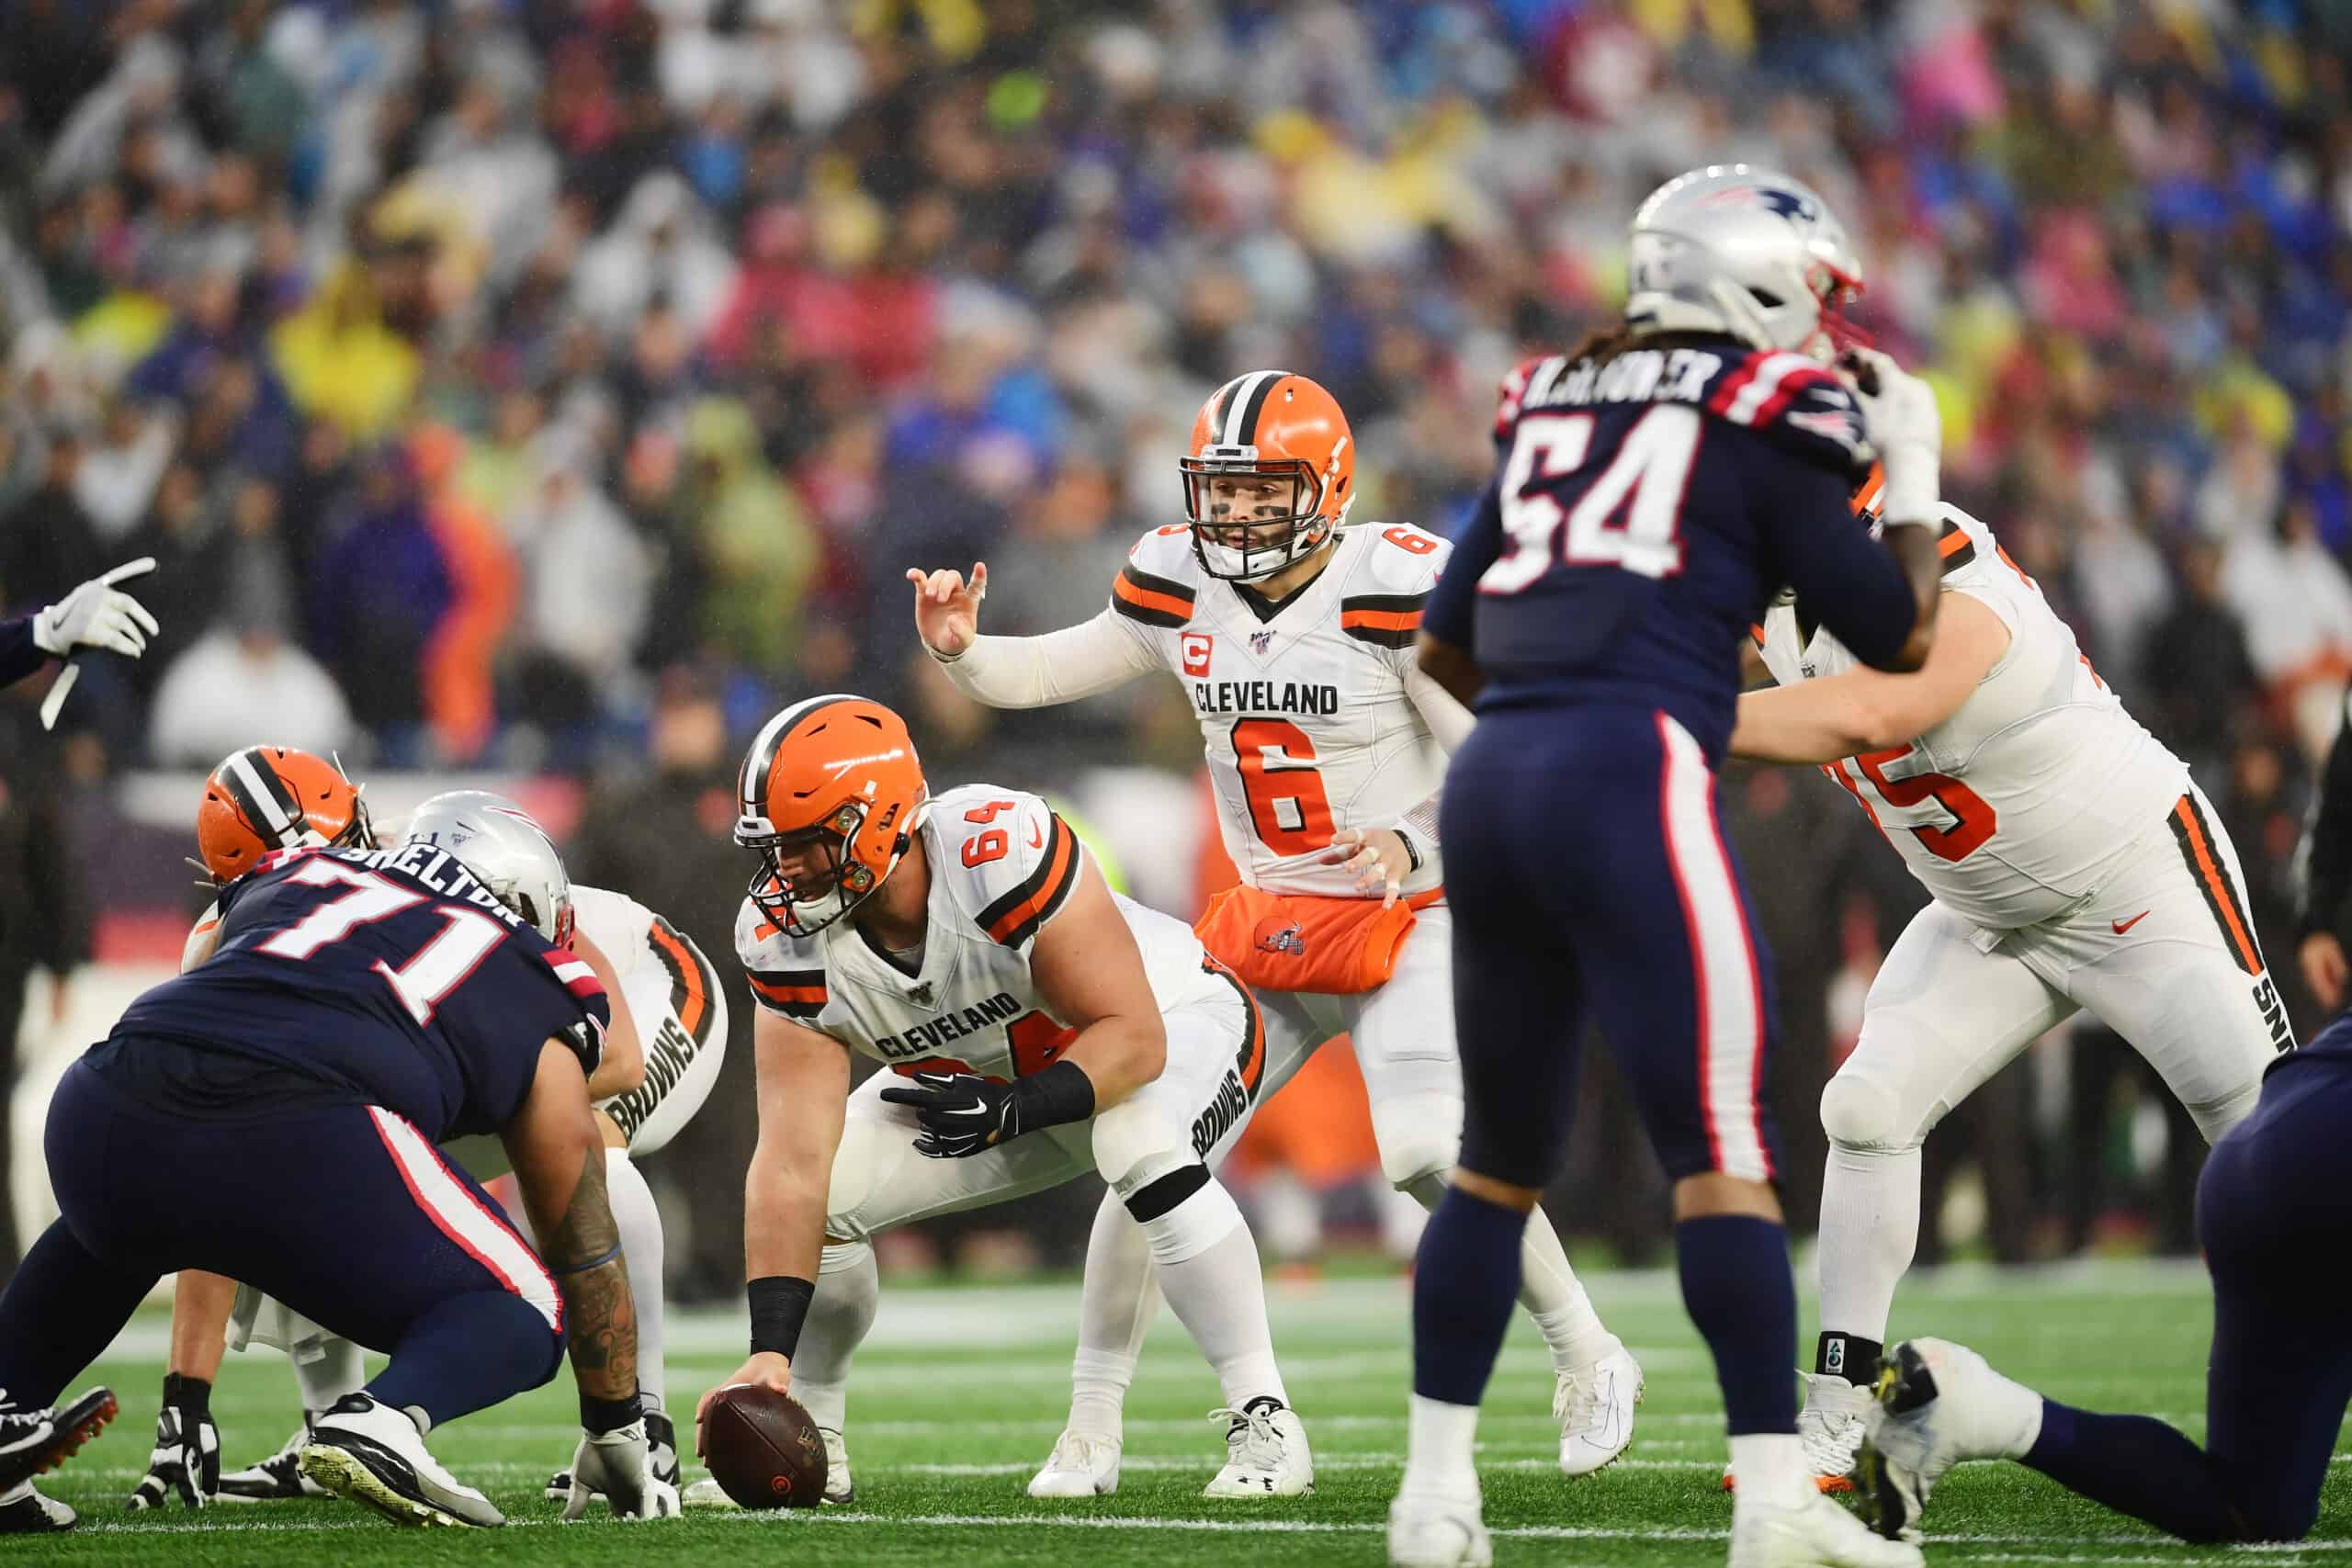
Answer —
187 1449
962 1114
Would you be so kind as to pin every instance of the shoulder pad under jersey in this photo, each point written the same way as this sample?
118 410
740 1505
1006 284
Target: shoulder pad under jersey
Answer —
1800 406
1388 581
1161 581
1008 859
786 973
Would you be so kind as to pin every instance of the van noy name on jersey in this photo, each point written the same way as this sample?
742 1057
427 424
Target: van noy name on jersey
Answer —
925 1039
1264 696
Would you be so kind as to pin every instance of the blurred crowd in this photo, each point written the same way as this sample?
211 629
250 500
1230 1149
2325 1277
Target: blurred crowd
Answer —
478 370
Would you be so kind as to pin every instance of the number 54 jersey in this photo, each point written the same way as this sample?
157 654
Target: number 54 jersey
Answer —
1304 707
1003 864
2023 802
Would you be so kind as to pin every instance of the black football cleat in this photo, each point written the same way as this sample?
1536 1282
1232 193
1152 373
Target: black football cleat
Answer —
32 1442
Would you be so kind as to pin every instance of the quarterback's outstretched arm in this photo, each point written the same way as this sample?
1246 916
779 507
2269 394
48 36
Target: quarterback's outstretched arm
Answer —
1869 710
1020 672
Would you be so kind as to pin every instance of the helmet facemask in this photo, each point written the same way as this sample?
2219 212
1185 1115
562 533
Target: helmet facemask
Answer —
805 905
1269 534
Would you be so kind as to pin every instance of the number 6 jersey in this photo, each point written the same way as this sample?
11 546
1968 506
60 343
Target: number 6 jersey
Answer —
1002 867
2014 809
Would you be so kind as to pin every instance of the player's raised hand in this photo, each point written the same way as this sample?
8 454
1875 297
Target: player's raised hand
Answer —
948 609
2325 967
98 615
1906 428
764 1370
1378 858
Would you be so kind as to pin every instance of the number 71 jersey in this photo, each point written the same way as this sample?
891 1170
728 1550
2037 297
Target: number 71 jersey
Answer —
1303 709
2015 807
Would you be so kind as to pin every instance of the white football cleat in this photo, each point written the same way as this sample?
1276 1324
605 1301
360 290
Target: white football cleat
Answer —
1816 1533
1938 1405
278 1478
839 1490
24 1511
1426 1530
1081 1465
706 1494
371 1454
1595 1409
1267 1454
1831 1427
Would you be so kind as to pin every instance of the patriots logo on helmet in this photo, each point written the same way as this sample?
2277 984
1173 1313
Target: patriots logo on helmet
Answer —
1794 206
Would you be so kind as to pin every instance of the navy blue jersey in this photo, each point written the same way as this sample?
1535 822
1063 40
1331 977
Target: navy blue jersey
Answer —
1648 508
385 977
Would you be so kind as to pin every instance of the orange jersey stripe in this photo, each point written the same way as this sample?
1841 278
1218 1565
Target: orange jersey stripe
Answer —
689 977
806 996
1951 544
2217 886
1381 620
1150 599
1060 873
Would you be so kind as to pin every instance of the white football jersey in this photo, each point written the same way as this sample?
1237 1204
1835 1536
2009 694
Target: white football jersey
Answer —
1303 711
618 924
2014 809
1002 865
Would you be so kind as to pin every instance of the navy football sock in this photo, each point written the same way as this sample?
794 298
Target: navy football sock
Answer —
467 1353
2136 1465
1465 1281
1739 1289
61 1309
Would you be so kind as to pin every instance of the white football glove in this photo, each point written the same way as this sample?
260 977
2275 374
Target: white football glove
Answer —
97 616
1907 431
619 1464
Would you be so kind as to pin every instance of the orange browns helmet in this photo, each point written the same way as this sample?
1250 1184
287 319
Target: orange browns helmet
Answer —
1868 494
837 774
273 797
1268 425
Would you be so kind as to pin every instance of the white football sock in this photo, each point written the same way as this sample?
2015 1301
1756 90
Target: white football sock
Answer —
1548 1288
325 1369
848 1292
1208 1266
1439 1442
639 1223
1114 1312
1870 1226
1769 1467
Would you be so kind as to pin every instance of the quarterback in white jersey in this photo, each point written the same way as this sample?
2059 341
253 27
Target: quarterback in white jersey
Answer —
1036 1026
2074 866
1292 635
669 1022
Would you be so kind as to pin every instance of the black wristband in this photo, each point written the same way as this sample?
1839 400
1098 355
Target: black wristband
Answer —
779 1306
1061 1093
1412 850
187 1393
598 1417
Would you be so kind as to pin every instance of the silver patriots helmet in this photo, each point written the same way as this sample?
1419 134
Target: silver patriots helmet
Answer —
1734 248
507 852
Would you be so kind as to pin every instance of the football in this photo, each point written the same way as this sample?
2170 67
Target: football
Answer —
763 1449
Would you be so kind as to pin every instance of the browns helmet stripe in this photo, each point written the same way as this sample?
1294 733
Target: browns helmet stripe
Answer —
1243 400
1955 548
759 763
261 796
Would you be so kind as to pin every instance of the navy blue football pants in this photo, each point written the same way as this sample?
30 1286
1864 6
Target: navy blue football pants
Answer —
1589 877
346 1213
2274 1208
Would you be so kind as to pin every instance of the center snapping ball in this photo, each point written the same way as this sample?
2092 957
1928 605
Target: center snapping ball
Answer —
763 1449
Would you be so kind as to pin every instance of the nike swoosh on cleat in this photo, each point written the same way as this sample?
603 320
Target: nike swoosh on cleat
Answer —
2122 926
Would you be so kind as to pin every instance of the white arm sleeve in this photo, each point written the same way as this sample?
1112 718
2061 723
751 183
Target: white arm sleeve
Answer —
1059 667
1449 724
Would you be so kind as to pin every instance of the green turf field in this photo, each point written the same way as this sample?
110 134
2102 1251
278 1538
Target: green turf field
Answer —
961 1392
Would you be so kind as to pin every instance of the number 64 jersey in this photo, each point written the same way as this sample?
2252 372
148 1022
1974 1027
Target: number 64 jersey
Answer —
2021 803
1002 865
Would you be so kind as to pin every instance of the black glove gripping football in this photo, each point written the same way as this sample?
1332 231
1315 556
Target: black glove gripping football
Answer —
962 1114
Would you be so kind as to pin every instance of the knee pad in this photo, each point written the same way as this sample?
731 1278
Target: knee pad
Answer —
1420 1137
1134 1146
1191 1225
841 1257
1859 1113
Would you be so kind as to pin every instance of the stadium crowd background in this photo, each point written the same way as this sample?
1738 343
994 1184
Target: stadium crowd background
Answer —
543 390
